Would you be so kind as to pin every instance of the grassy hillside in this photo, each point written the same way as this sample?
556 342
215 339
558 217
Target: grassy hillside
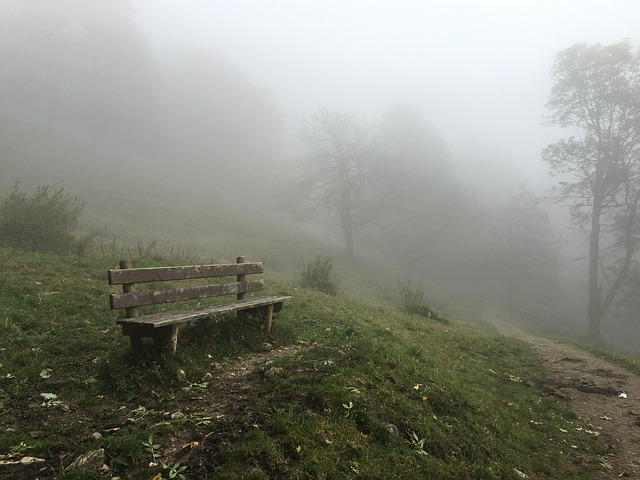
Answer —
340 389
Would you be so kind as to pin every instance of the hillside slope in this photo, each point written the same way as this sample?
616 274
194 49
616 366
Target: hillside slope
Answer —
340 389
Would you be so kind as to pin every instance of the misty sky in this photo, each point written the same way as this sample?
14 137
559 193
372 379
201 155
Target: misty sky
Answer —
478 69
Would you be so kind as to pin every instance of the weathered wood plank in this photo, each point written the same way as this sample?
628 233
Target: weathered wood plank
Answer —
142 325
161 274
139 299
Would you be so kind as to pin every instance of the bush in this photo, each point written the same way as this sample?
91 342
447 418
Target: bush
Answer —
412 300
318 275
42 222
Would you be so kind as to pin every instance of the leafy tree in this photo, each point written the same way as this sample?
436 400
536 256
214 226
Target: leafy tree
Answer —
336 170
418 195
597 93
42 222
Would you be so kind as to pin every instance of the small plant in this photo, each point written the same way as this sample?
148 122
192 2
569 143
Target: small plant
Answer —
42 222
197 419
348 407
173 470
152 448
19 449
418 443
318 275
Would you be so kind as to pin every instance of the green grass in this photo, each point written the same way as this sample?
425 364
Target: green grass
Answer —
462 403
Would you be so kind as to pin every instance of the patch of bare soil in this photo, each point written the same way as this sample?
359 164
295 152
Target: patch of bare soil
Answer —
605 396
234 380
224 400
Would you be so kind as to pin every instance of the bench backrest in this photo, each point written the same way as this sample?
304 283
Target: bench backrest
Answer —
131 299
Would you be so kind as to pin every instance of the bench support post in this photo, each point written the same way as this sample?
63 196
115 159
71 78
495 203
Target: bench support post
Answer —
136 344
132 312
166 338
268 318
240 278
173 339
240 296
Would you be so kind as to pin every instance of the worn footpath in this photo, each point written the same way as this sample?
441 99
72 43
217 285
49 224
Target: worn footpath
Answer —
604 396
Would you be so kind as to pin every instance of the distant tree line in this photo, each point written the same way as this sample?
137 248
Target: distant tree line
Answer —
390 187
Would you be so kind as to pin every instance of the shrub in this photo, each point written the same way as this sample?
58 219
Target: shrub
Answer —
318 275
42 222
412 300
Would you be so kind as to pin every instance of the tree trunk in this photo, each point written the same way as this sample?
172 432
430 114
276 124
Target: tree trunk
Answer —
594 309
346 220
347 231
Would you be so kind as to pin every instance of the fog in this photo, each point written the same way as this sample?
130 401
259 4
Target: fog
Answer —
478 69
141 105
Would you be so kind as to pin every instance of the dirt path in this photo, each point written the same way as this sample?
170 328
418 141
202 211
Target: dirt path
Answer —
593 388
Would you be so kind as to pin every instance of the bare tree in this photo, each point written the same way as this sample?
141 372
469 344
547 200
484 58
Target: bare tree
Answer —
335 171
597 93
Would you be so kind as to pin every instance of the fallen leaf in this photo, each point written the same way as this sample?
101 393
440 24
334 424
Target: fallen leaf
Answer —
30 460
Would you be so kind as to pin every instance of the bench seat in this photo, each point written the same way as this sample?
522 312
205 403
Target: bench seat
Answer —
163 319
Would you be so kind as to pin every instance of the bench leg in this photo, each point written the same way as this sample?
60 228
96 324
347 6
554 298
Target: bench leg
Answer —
268 318
167 338
136 344
173 339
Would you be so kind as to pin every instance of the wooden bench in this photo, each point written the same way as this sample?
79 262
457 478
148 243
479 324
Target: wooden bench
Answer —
163 327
